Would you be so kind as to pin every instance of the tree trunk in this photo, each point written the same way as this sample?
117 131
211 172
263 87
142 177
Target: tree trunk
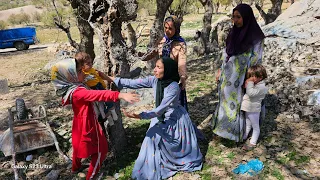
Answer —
216 7
156 32
107 23
207 18
273 13
82 12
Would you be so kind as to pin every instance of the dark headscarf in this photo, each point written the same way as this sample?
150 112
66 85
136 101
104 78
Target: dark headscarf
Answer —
166 49
242 39
170 75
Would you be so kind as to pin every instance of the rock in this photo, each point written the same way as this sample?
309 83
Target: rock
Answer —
4 89
62 132
263 159
42 159
21 163
307 111
82 175
6 165
296 117
116 175
245 158
314 98
53 175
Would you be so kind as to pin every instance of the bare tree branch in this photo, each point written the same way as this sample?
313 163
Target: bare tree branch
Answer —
140 32
58 22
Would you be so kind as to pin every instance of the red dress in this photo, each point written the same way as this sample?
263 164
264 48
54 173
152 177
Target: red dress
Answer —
86 131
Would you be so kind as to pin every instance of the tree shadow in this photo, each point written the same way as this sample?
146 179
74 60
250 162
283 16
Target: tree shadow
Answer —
135 134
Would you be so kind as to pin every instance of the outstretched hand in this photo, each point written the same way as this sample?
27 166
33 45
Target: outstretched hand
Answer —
129 97
131 115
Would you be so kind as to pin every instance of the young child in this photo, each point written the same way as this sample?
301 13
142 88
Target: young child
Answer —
256 90
95 80
87 136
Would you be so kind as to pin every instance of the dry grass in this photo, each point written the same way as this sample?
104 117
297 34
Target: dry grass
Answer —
54 35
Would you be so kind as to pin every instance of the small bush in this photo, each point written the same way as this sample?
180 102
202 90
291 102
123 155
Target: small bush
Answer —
3 24
36 17
19 18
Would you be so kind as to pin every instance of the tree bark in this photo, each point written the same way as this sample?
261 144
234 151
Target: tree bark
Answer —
156 32
216 7
82 12
207 18
106 18
273 13
131 36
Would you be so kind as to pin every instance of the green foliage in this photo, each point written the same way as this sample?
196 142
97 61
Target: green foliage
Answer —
213 151
149 5
3 24
65 2
277 174
182 7
19 18
48 18
223 2
231 155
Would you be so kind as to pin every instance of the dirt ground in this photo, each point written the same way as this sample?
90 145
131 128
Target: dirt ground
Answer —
289 150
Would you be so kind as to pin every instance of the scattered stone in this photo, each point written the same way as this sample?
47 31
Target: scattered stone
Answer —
296 117
4 89
62 132
21 163
6 165
82 175
263 158
245 158
53 175
42 159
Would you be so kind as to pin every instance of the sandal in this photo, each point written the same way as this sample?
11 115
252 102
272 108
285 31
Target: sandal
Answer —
248 147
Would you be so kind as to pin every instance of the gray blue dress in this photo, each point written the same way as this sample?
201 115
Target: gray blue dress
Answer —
168 147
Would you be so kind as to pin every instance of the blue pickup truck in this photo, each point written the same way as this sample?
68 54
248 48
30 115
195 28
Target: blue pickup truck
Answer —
19 38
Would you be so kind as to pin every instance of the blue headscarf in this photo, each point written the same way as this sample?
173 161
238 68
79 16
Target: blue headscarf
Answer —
166 49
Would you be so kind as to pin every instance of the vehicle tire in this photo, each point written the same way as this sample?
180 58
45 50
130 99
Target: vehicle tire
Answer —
22 112
27 47
20 46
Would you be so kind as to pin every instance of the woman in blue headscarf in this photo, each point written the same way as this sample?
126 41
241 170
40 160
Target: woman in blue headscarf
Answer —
244 47
173 46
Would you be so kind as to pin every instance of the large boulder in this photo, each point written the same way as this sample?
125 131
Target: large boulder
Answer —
292 54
